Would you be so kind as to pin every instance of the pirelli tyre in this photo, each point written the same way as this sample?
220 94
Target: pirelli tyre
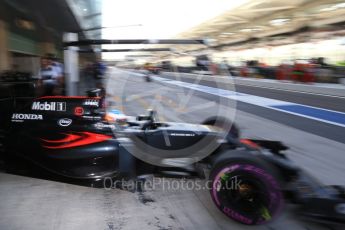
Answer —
246 190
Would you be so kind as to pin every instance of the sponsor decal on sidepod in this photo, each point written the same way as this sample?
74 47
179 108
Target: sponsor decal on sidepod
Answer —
49 106
92 118
64 122
91 102
20 117
101 125
78 111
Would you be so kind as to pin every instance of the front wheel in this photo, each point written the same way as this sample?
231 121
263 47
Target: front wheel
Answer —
246 192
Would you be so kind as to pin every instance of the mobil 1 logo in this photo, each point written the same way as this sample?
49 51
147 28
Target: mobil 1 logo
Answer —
49 106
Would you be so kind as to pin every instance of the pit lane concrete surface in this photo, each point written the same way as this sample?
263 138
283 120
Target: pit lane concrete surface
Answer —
29 203
274 100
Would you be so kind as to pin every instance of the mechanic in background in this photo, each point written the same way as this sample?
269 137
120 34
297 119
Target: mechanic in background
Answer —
50 79
54 61
224 67
99 69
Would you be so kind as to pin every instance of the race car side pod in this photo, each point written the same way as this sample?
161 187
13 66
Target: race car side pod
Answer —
127 162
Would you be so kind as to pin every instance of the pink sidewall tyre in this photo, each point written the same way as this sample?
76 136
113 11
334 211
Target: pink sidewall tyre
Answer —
246 192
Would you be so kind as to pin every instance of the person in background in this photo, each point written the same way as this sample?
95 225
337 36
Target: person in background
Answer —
49 77
224 67
99 69
99 73
58 66
88 73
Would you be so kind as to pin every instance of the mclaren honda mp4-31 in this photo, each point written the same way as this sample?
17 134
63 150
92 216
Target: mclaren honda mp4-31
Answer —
74 137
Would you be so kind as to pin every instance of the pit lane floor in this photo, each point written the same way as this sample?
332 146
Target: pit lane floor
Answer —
282 99
39 204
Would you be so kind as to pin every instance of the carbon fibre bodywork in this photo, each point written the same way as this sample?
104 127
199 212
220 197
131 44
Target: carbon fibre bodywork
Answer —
59 134
68 135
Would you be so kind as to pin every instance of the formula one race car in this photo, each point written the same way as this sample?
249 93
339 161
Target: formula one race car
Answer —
74 137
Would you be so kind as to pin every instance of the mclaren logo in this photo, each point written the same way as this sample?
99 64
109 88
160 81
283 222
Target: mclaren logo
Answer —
65 122
49 106
20 117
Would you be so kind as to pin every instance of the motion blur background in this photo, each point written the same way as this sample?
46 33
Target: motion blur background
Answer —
266 39
282 62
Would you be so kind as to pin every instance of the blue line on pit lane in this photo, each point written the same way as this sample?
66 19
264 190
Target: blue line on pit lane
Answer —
314 112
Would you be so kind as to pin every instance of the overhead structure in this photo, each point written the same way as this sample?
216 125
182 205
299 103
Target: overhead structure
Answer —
36 27
136 41
88 13
72 43
124 50
259 19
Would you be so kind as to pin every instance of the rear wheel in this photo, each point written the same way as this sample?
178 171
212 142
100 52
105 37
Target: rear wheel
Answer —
246 191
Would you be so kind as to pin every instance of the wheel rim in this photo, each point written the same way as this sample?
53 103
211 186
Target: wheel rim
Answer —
245 196
250 197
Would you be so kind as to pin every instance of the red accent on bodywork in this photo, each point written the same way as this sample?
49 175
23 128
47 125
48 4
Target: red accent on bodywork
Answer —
78 111
75 140
68 138
250 143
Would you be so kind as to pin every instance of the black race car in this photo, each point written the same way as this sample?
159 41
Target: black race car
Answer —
74 137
